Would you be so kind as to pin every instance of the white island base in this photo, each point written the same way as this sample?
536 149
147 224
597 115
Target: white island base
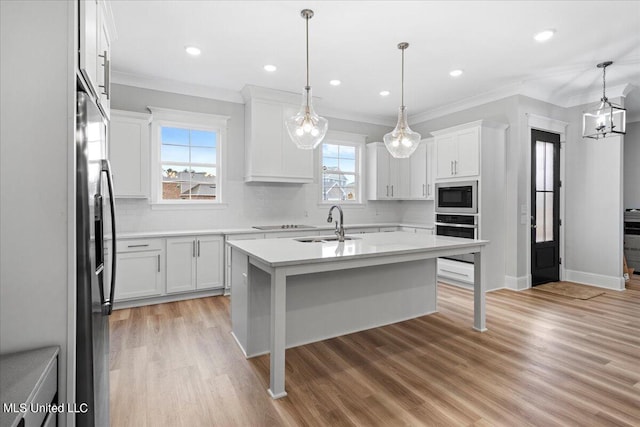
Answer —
332 303
280 302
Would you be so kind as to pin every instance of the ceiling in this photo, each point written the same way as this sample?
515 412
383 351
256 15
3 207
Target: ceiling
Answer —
355 42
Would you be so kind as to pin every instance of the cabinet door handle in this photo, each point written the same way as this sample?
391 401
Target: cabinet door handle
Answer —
387 191
455 167
392 191
137 246
106 65
451 167
453 272
428 189
158 263
193 249
198 248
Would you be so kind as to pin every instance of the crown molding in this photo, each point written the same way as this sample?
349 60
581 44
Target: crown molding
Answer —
358 117
173 86
470 102
593 96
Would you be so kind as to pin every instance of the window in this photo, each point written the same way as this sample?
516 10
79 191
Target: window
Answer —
187 149
189 161
340 170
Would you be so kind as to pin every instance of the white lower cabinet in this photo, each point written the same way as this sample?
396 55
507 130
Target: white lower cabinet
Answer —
139 269
459 272
194 263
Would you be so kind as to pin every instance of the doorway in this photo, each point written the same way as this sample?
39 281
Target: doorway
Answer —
545 207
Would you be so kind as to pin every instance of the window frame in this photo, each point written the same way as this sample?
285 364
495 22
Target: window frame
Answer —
351 140
164 117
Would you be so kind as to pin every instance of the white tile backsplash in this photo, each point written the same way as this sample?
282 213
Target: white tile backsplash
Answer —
261 204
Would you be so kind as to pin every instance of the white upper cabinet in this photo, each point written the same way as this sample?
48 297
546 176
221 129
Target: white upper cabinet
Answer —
421 182
95 50
129 153
431 168
389 178
458 153
270 154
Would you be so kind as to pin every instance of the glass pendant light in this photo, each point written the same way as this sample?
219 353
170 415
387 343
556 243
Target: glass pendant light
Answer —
605 118
402 141
306 128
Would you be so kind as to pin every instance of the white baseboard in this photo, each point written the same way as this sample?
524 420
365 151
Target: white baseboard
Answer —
599 280
166 298
517 283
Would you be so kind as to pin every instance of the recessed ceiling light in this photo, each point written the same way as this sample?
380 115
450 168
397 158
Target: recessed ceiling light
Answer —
192 50
335 82
270 68
455 73
385 93
543 36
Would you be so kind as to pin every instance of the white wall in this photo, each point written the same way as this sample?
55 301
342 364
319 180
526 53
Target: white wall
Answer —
37 244
513 111
247 204
594 192
632 166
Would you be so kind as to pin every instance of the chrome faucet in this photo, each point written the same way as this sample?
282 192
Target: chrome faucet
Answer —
339 229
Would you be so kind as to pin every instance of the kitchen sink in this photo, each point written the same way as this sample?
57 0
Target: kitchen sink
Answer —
282 227
324 239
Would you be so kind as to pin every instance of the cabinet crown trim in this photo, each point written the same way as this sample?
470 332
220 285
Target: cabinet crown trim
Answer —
477 123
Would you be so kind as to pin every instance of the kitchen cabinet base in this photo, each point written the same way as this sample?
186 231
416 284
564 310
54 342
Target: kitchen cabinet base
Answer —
139 302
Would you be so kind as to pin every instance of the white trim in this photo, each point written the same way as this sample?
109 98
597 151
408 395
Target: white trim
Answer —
188 117
174 86
353 140
192 120
599 280
546 124
465 104
139 302
131 115
593 96
470 125
517 283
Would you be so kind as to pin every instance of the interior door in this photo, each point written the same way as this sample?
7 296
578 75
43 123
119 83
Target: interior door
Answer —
545 207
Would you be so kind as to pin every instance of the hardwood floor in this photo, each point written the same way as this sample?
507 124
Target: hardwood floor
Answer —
546 360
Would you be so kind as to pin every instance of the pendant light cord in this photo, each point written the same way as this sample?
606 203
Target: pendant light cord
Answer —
402 84
604 83
307 32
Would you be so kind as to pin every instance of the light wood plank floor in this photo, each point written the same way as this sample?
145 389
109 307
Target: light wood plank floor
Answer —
546 360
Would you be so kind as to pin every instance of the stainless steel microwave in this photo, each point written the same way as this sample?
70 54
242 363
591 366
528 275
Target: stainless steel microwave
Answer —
457 197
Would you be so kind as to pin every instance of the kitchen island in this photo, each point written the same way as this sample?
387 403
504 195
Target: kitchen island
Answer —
290 292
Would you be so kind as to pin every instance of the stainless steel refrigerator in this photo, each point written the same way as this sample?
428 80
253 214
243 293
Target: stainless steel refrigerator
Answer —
95 220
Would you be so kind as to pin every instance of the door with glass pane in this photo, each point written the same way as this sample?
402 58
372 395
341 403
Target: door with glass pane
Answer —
545 207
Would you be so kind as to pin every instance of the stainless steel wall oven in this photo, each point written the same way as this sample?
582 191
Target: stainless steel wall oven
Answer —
465 226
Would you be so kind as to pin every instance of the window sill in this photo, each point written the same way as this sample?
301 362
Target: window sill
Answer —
164 206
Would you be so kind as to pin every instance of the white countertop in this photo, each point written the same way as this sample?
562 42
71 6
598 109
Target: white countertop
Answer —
248 230
289 251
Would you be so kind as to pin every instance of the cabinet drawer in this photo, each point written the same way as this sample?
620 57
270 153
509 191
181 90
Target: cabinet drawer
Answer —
459 271
139 245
